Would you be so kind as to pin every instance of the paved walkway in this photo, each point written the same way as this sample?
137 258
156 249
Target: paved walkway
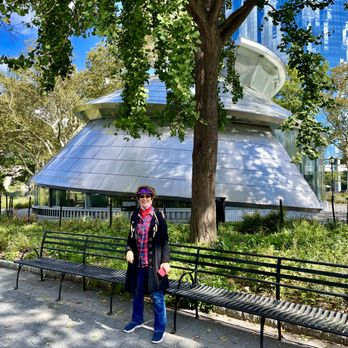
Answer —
326 214
30 317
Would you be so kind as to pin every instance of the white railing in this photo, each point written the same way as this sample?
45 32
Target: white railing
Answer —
178 214
237 213
172 214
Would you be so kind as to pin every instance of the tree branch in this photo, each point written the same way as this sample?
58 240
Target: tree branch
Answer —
50 9
23 126
24 160
216 8
199 14
233 22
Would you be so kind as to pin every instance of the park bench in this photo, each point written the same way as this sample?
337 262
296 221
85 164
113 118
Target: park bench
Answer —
213 275
86 254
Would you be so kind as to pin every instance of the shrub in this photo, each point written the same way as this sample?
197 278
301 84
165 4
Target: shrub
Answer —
21 205
179 233
20 202
256 223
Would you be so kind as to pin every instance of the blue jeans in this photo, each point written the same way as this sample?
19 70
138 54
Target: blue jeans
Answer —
159 305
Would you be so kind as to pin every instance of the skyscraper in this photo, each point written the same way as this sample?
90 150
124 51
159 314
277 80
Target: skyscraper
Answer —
332 22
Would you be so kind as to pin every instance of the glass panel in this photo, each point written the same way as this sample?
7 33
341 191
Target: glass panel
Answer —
160 203
41 196
58 197
312 170
75 199
99 201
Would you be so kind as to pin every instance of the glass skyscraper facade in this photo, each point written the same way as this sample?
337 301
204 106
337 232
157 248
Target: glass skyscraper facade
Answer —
332 22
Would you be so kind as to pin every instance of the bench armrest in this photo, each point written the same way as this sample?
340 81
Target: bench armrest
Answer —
27 250
183 276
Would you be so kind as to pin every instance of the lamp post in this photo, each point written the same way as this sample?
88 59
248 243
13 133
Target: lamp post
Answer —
332 162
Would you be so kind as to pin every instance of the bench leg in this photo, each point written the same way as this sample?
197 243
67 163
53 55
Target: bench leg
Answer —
19 269
41 274
279 324
60 286
84 283
262 326
175 314
196 308
111 295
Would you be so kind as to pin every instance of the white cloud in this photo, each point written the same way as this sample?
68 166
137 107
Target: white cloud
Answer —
18 23
3 68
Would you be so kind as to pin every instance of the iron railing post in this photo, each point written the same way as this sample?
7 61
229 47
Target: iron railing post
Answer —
110 211
332 161
281 211
7 211
29 207
60 214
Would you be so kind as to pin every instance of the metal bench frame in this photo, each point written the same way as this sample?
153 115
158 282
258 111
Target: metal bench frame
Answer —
193 263
84 247
279 273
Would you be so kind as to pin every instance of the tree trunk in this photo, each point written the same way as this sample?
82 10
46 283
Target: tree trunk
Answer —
204 156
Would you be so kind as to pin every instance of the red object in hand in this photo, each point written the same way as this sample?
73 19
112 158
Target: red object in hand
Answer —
162 272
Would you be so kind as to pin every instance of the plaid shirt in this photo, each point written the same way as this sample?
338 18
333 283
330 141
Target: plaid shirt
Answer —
143 238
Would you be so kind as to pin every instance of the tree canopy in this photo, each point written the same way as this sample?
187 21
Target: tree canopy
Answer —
101 76
295 99
35 125
337 112
190 39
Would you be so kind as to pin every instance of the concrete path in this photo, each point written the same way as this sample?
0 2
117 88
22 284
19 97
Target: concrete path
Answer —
30 317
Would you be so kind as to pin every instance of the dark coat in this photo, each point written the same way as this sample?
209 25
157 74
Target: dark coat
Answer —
158 253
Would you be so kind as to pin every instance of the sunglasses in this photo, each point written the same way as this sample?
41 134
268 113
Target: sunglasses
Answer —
143 196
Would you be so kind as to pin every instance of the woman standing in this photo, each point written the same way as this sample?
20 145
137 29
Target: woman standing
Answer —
147 253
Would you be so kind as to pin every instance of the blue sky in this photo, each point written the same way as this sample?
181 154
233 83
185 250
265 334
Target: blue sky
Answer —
14 43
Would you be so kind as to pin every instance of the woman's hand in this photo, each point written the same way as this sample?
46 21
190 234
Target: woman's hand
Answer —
130 256
166 266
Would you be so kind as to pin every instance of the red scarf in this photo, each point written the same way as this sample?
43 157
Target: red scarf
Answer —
144 212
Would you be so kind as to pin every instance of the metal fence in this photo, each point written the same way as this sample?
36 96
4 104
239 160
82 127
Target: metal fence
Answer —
172 214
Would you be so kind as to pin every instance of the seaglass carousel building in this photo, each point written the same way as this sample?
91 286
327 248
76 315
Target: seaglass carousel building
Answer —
98 171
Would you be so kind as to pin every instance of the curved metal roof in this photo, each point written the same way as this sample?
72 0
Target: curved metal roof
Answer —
253 167
252 108
262 74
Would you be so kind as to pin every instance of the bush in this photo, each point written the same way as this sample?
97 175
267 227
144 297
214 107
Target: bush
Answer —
179 233
21 205
340 197
256 223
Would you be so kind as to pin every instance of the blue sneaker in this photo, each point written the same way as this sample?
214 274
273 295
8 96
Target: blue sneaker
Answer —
157 337
131 327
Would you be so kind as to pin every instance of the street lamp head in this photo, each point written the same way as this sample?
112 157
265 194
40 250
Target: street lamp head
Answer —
332 160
